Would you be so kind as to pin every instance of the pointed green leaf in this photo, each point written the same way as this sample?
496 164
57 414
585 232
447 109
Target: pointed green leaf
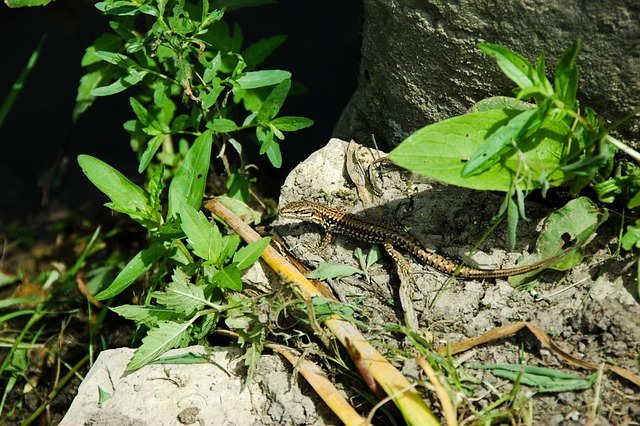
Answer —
255 79
189 181
501 141
145 315
247 255
331 270
517 68
567 75
228 277
205 238
441 150
291 124
166 336
140 264
274 101
126 197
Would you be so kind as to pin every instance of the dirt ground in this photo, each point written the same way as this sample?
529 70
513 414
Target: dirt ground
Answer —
592 311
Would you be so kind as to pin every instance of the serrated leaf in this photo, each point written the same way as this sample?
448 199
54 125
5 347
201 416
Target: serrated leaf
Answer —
167 335
247 255
141 263
291 124
442 149
189 181
228 277
255 79
182 296
329 270
145 315
126 197
204 237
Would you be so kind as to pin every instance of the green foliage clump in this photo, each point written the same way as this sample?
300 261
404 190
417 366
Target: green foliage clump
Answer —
509 145
197 90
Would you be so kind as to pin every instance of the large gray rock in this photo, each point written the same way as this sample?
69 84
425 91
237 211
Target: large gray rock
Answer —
202 394
420 63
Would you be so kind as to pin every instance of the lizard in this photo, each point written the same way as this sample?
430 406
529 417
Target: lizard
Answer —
337 221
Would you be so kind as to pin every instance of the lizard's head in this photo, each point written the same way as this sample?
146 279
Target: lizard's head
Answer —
299 210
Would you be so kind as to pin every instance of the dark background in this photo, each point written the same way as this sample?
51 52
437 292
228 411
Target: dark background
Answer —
322 51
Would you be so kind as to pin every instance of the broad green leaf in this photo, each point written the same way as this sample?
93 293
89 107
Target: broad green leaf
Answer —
330 270
442 149
274 101
145 315
578 219
501 141
181 296
247 255
13 4
291 124
205 238
160 339
189 181
222 125
274 155
255 79
140 264
228 277
126 197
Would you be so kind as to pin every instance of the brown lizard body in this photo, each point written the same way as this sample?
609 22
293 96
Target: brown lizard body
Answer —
336 221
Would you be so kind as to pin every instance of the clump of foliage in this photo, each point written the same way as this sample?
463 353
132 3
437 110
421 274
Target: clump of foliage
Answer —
509 145
197 90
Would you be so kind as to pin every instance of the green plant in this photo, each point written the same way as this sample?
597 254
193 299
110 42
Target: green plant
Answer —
515 147
197 89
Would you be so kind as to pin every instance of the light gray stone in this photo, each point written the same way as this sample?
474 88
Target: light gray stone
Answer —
201 394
